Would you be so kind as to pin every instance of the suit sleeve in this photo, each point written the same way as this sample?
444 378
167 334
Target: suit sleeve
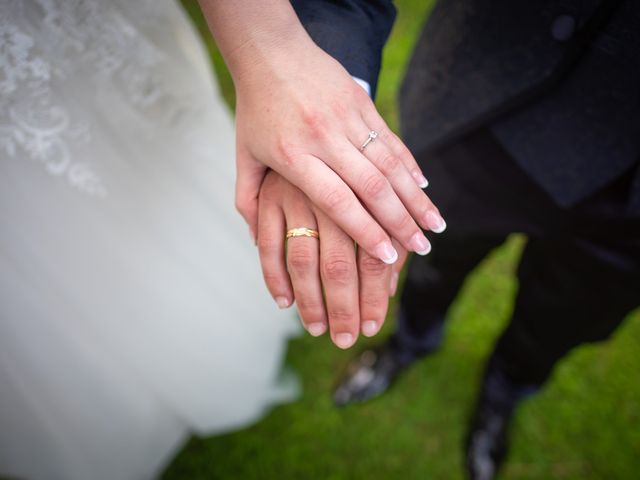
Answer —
351 31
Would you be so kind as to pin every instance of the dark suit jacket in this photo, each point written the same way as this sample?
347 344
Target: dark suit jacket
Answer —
558 81
351 31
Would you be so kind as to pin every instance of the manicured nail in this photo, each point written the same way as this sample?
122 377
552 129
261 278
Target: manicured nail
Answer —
420 179
316 329
386 253
420 244
344 340
435 221
394 283
370 328
283 302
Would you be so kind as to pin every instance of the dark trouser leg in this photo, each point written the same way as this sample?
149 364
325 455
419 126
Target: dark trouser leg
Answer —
432 284
571 292
484 197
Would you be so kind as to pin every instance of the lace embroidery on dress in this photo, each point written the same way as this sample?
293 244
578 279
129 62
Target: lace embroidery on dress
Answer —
44 43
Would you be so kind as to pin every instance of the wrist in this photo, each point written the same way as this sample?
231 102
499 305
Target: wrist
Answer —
255 36
270 57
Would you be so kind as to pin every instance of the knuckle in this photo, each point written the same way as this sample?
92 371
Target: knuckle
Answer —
375 303
371 232
285 152
403 223
388 163
300 260
418 200
335 200
338 269
340 316
273 281
267 245
421 204
372 266
309 317
374 187
315 121
310 310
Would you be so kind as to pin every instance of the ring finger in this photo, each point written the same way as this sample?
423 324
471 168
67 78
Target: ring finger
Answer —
303 266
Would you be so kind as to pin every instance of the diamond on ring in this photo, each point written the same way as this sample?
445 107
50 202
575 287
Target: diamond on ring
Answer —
372 136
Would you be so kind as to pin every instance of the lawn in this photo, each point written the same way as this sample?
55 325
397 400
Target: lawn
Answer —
583 425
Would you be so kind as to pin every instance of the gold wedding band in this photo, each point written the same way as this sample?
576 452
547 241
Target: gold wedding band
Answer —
302 232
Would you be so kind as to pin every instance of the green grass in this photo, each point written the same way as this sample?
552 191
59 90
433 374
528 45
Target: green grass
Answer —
584 425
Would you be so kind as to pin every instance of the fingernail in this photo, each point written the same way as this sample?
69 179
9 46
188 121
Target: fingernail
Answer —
253 236
344 340
394 283
420 179
420 244
386 253
283 302
435 222
316 329
369 328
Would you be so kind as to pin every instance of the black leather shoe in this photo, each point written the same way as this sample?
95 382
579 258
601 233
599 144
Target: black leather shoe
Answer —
370 374
487 441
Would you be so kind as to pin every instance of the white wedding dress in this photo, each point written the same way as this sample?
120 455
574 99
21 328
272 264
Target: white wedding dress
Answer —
132 310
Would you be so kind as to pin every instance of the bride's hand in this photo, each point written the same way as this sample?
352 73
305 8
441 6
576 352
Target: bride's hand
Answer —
300 113
332 283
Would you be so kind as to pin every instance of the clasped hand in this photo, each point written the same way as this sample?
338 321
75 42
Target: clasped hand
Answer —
308 130
310 137
301 122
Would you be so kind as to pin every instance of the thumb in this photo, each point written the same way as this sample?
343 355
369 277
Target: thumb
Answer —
249 176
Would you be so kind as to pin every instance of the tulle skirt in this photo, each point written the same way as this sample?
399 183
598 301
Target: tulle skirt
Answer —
132 310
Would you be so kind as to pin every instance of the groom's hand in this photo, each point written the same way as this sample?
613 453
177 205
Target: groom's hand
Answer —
333 284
